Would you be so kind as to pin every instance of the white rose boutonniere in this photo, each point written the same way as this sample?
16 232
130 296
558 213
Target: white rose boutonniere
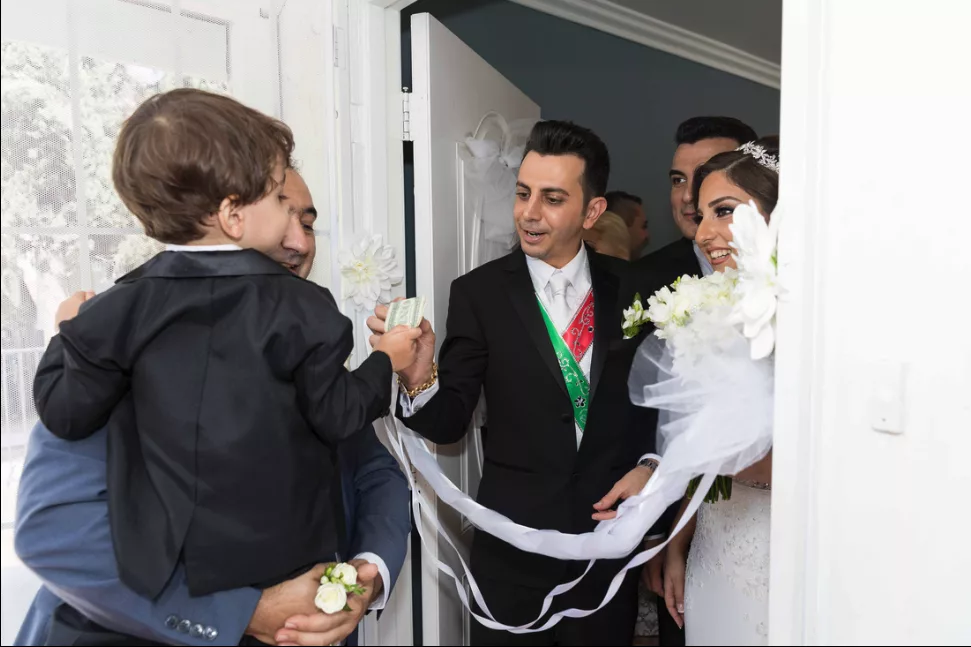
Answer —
331 598
634 317
345 573
338 582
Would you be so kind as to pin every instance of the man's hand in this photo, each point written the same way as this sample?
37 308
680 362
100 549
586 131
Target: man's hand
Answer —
419 372
70 306
631 484
653 571
323 629
282 601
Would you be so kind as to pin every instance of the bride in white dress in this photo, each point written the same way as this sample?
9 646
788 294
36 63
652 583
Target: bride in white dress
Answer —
719 589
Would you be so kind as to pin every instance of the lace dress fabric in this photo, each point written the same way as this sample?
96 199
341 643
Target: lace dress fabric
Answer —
727 582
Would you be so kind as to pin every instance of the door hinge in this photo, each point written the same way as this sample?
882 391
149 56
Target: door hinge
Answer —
338 43
406 115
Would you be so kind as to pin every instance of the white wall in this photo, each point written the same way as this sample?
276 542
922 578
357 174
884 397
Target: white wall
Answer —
870 530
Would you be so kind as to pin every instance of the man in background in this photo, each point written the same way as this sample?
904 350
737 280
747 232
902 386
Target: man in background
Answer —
698 139
631 208
609 236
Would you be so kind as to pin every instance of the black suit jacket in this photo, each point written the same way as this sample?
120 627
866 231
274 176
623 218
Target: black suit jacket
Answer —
667 264
223 376
534 473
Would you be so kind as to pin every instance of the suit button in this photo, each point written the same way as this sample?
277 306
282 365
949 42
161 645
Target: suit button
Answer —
172 622
184 626
197 631
566 417
211 633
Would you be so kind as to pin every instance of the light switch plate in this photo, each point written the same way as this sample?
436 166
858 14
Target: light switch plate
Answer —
888 397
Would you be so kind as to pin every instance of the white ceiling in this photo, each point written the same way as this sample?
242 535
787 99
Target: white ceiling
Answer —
753 26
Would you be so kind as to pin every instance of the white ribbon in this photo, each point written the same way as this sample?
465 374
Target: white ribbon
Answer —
612 539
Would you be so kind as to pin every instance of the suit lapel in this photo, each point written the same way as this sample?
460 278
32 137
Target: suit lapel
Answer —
605 289
520 290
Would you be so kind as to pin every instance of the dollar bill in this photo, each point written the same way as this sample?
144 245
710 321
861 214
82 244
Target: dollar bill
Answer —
405 313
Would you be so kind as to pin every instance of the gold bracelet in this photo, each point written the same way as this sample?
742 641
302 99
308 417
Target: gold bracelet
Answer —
424 387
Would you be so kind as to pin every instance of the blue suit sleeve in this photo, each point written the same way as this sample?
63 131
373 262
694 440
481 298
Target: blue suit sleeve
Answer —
63 535
379 512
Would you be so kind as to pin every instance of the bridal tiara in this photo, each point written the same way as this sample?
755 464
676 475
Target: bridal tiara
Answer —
765 159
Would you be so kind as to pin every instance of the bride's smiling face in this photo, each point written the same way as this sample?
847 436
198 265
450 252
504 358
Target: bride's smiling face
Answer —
717 200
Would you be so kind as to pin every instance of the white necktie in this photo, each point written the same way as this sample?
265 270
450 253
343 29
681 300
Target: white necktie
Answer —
559 307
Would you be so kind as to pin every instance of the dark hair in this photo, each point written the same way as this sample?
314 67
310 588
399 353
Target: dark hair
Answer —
183 152
616 201
616 197
566 138
696 129
745 172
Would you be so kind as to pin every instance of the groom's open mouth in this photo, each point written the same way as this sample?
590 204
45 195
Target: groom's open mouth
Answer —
532 237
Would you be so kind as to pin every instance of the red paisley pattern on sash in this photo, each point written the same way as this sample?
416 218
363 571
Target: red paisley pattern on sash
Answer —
579 334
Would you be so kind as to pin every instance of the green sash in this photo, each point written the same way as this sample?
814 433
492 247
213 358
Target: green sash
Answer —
576 383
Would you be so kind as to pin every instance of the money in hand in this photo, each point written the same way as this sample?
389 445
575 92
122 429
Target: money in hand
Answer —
405 313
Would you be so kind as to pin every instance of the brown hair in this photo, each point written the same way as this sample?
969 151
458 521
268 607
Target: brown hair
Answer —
183 152
745 172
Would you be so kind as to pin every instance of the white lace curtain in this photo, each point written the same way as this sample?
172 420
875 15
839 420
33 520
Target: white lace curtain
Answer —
72 70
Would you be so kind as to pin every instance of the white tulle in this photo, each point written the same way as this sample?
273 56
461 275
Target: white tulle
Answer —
715 414
715 420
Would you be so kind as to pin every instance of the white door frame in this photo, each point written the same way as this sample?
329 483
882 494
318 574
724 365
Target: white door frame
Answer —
368 163
793 578
364 148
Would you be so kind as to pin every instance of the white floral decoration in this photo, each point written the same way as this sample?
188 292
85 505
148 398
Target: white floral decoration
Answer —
370 270
758 289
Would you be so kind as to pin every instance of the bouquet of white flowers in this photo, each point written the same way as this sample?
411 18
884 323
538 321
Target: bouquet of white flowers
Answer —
338 581
717 332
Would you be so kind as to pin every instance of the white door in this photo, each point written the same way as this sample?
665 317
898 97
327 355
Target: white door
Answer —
453 90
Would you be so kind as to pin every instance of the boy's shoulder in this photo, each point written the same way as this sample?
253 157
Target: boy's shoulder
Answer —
205 264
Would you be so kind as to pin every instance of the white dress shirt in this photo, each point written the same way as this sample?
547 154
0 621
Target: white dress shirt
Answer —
703 261
577 272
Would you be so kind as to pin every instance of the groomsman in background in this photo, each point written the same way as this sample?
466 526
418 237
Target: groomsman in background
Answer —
630 207
698 139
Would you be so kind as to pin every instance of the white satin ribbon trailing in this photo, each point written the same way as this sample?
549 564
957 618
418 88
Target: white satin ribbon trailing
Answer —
612 539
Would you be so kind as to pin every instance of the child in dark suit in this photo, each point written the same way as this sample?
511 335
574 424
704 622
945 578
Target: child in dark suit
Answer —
228 366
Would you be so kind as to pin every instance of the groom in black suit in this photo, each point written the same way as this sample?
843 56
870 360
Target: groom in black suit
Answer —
555 445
